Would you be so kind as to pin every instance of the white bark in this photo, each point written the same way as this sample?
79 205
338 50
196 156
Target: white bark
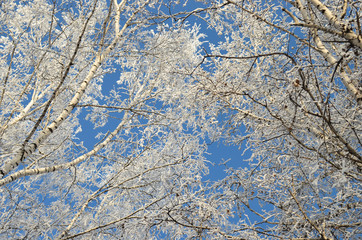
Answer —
27 150
347 33
324 51
36 171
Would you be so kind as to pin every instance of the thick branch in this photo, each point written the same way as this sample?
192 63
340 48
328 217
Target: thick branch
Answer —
29 149
347 32
37 171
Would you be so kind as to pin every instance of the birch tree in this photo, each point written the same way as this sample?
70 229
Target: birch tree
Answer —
54 59
288 78
87 155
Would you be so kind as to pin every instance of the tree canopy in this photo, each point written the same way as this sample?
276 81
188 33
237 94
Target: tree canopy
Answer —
107 110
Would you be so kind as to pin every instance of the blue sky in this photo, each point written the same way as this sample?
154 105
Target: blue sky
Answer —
217 152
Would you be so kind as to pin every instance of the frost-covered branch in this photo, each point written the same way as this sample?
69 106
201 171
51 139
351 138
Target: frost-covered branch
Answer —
344 28
28 149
